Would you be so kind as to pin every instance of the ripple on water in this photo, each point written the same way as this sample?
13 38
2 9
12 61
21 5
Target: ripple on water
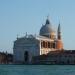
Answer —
37 70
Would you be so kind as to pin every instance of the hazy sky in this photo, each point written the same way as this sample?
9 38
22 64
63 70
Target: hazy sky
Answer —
21 16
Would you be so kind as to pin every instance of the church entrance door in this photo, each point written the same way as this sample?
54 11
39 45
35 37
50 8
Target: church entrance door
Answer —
26 56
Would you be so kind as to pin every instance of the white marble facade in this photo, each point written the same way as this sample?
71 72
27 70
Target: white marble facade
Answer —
30 44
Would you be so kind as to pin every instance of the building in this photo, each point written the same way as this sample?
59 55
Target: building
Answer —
56 57
6 58
29 46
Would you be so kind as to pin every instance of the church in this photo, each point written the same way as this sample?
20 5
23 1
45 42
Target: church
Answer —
29 46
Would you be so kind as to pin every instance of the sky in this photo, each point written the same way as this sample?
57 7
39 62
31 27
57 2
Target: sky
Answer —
20 16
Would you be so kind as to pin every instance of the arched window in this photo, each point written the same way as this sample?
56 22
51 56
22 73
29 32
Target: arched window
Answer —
48 44
44 44
54 45
51 45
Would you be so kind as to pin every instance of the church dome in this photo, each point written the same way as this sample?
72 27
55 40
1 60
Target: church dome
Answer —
46 29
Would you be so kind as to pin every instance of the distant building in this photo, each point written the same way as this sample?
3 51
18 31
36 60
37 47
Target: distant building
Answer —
6 58
56 57
25 48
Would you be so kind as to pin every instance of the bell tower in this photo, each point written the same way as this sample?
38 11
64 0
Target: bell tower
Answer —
59 40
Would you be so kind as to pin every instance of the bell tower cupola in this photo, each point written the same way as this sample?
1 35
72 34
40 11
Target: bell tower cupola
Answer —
59 32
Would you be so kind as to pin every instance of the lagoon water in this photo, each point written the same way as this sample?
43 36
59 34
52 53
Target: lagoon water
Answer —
37 69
